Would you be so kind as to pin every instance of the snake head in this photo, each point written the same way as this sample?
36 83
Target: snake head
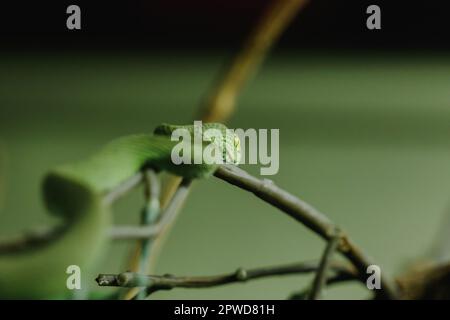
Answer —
226 140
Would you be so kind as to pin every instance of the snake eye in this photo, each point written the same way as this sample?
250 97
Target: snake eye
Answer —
237 142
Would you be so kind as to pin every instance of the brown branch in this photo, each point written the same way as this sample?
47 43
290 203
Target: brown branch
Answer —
306 214
426 281
277 16
154 283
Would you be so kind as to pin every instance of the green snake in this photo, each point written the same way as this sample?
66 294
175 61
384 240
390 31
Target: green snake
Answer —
76 193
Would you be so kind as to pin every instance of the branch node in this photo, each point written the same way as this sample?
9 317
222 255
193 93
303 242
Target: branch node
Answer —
241 274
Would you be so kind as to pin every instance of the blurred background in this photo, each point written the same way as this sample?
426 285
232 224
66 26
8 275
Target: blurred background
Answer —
363 117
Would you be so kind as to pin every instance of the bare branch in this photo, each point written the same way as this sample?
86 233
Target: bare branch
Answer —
304 213
166 282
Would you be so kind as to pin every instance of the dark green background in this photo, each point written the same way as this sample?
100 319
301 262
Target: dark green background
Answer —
364 137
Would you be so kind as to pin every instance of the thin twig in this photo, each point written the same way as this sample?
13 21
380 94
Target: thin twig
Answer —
123 188
329 280
321 274
166 217
304 213
166 282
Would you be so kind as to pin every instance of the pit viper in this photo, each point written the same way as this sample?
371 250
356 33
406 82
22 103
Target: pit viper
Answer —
76 193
